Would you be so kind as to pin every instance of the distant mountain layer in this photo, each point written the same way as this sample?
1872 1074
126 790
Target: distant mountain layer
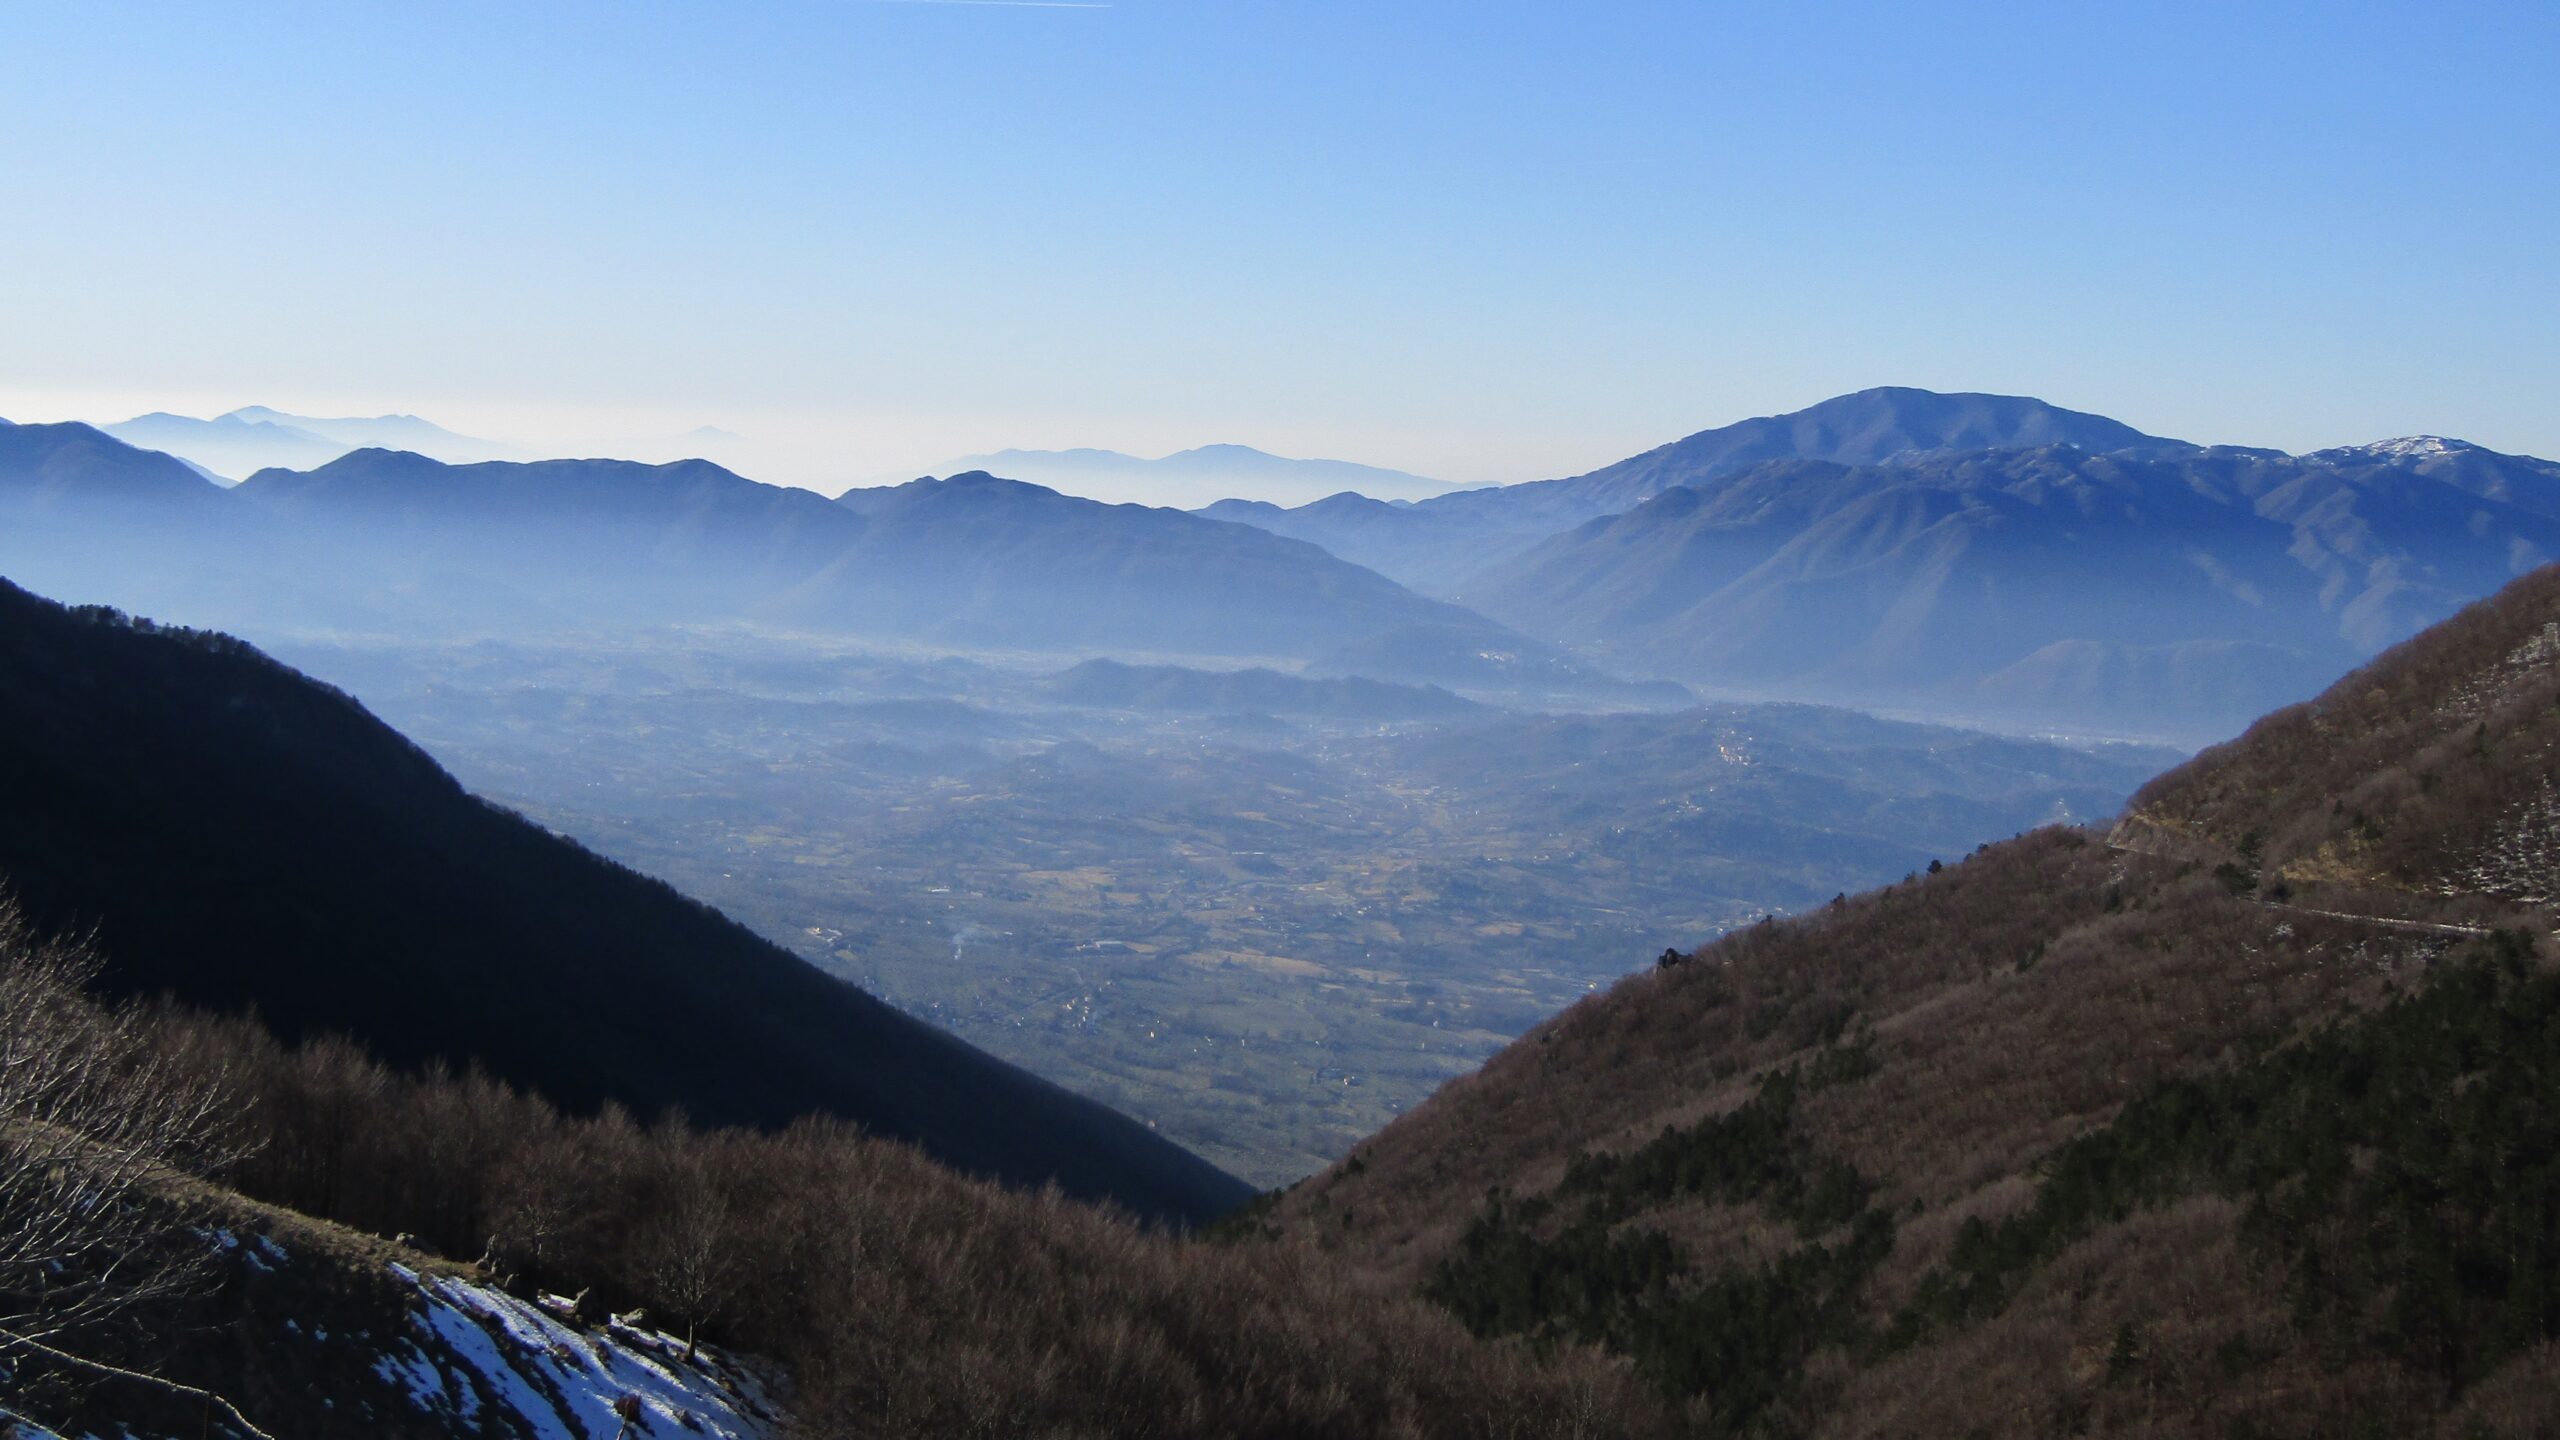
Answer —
256 438
48 467
1942 553
1463 657
390 540
2187 587
983 560
1438 545
1110 684
245 838
1195 477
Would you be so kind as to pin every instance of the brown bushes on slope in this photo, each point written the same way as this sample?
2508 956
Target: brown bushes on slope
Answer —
903 1298
2432 769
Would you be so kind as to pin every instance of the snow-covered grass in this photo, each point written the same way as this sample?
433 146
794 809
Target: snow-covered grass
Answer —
474 1350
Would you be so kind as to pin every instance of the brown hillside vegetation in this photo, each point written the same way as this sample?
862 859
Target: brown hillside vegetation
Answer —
2430 770
897 1296
2159 1133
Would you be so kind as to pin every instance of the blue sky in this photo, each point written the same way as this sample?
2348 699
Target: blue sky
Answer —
1485 241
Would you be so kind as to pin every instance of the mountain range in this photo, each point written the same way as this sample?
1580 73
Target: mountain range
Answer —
1986 557
1973 557
392 540
1437 545
253 438
1199 476
2202 585
2239 1115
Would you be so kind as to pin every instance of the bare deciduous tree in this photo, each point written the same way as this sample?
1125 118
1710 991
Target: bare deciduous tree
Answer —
686 1251
95 1123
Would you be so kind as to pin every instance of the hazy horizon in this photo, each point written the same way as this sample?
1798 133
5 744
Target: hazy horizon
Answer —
1481 243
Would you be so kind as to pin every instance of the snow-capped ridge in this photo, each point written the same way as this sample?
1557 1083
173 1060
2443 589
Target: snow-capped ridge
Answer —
2405 447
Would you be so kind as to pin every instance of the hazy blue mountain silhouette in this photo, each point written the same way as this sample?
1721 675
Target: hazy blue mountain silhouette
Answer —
391 540
1438 545
254 437
2188 587
979 559
1193 477
49 466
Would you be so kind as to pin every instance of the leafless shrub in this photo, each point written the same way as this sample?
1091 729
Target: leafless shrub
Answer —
96 1121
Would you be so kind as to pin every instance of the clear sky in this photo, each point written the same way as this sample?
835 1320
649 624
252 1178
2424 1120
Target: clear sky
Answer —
1483 240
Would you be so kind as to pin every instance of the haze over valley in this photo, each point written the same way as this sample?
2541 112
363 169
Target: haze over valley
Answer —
1132 720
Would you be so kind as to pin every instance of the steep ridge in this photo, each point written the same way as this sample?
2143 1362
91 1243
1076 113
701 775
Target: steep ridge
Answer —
2190 589
1439 545
2243 1118
241 837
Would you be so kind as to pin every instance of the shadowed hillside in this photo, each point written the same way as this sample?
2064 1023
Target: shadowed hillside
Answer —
244 838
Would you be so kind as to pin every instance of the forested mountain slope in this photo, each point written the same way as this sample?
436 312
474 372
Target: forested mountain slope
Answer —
2240 1119
244 838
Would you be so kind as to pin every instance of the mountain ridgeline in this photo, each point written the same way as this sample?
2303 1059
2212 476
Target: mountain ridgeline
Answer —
244 839
1969 557
2235 1118
2199 586
1439 544
1198 476
395 542
1987 557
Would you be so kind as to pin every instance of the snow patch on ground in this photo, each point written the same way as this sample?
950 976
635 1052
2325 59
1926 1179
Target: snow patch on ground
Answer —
485 1362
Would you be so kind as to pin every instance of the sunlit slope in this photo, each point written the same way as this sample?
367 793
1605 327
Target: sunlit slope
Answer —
2238 1119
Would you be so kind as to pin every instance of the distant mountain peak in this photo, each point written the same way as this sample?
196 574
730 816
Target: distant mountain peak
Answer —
264 414
2405 447
1199 475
